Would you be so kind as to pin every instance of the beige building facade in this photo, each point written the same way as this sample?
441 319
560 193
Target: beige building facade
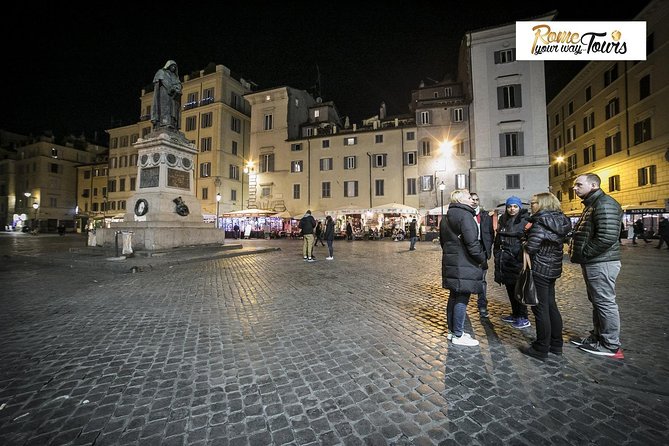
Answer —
612 119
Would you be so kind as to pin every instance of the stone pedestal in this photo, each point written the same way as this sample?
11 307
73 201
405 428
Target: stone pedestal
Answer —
165 211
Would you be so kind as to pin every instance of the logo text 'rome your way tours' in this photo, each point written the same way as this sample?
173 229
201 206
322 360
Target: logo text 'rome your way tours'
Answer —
581 40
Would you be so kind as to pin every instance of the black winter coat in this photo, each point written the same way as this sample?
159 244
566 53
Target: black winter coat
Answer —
507 249
545 240
307 224
487 234
462 254
596 235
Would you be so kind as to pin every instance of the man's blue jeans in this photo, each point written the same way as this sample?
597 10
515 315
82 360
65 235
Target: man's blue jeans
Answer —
413 243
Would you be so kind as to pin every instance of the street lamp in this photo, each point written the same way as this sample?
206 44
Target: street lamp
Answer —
36 206
218 204
442 186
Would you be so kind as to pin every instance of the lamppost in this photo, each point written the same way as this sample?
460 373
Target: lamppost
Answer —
36 207
218 204
442 186
27 195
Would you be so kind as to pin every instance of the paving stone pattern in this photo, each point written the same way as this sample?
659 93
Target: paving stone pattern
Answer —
267 349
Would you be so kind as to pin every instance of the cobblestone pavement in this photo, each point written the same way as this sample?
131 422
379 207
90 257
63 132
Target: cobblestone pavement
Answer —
267 349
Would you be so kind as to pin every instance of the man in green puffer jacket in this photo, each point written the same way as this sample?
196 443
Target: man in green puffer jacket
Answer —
596 247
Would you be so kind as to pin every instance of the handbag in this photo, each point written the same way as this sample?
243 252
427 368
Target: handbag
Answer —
525 292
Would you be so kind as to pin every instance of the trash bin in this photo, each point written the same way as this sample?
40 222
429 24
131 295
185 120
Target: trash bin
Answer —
127 242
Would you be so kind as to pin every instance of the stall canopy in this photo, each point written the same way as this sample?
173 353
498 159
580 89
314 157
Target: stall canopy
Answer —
283 214
250 213
437 210
395 208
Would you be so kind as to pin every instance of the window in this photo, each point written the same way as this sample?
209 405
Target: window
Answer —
350 188
647 175
113 143
410 158
123 161
513 181
133 183
146 131
265 192
111 186
233 194
326 163
588 93
411 186
424 117
325 144
461 181
133 159
610 75
349 162
557 143
589 154
650 43
378 188
208 95
317 113
191 123
509 96
234 172
86 193
425 148
113 163
205 170
235 101
233 149
266 163
205 193
411 136
557 119
326 189
295 147
123 142
612 144
54 168
296 191
380 160
642 131
589 122
571 162
570 108
267 122
644 87
612 108
448 92
351 141
378 139
235 124
458 115
296 166
121 185
205 144
511 144
206 120
191 100
614 183
505 56
426 183
571 133
459 147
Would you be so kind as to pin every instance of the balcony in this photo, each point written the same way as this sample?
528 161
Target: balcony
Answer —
190 105
206 101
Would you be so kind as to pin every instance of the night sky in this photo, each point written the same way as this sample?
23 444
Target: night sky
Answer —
84 73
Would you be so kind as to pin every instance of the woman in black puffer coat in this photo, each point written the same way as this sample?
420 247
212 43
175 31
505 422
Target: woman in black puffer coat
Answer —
546 233
461 271
507 251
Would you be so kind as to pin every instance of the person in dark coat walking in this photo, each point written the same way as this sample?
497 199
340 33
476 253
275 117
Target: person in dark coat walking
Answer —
461 260
545 236
509 257
318 234
639 231
307 225
487 236
663 232
329 236
412 235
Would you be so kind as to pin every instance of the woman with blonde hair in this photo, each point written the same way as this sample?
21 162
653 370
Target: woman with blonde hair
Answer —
545 235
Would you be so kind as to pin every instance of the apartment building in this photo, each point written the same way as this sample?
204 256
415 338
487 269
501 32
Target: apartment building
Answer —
508 109
613 119
215 118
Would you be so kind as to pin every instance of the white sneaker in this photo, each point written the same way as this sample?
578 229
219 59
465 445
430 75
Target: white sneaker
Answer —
450 335
465 340
329 258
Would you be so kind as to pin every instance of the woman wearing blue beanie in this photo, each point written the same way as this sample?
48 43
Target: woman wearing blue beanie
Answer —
509 257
